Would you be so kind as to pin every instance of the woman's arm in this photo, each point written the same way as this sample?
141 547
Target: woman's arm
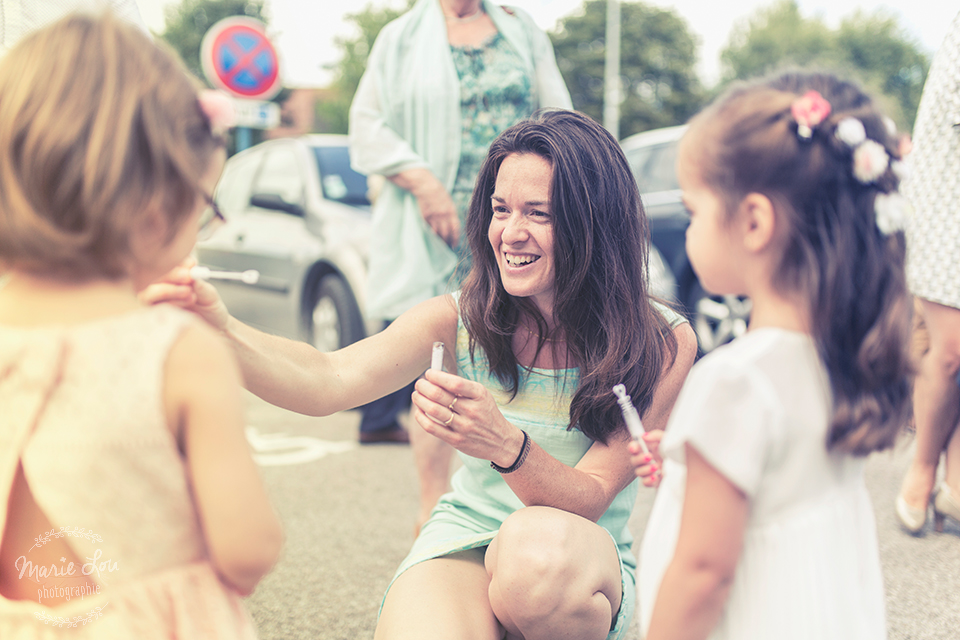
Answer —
697 583
204 406
294 375
480 430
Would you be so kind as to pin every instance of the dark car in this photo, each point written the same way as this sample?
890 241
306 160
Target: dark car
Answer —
653 159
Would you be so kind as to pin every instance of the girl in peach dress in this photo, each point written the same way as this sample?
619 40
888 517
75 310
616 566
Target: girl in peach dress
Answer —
131 507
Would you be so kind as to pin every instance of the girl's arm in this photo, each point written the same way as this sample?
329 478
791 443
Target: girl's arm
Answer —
294 375
587 489
204 406
697 582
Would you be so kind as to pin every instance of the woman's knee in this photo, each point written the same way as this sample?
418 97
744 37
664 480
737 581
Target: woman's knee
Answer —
534 545
539 558
943 327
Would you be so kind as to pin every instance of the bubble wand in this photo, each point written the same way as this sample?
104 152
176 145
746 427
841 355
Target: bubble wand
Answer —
436 361
250 276
630 416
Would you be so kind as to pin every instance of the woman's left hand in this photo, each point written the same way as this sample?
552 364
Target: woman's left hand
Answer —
464 414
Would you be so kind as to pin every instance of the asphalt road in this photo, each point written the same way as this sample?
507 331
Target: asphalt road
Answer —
348 513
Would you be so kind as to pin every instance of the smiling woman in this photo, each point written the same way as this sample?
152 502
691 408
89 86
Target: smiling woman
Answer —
554 313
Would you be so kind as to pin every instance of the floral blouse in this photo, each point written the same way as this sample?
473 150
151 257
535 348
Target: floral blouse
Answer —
495 93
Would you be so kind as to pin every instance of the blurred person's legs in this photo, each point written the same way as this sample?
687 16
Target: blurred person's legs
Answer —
380 418
936 401
432 457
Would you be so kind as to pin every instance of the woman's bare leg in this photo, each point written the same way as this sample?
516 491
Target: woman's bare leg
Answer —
432 457
440 598
553 576
936 402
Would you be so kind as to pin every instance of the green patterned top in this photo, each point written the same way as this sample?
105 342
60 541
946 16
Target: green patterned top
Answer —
495 93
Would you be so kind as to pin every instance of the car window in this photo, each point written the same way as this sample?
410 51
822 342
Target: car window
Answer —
280 176
655 167
338 180
233 190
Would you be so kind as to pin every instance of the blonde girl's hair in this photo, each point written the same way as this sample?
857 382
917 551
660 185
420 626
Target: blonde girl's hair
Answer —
98 127
835 256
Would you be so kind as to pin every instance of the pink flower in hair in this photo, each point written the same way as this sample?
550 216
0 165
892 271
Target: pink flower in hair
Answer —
218 107
809 111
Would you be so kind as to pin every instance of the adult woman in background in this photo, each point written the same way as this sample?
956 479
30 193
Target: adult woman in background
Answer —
533 539
933 246
442 81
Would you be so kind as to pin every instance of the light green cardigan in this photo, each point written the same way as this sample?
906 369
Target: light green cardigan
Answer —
406 114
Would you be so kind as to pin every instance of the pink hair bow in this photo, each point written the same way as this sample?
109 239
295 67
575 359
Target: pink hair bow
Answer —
218 107
809 111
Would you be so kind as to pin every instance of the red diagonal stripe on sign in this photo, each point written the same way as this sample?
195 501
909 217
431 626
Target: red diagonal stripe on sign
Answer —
245 59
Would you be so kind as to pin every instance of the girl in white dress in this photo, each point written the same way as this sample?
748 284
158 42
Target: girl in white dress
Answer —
130 506
762 527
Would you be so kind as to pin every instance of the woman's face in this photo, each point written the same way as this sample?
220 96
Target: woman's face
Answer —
521 229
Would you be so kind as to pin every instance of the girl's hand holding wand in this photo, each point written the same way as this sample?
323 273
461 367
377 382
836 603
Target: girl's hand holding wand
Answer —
647 467
180 288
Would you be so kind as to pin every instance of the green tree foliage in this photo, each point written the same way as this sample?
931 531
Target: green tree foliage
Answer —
188 21
657 64
870 48
333 113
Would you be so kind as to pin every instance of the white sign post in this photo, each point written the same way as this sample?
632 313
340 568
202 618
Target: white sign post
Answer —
256 114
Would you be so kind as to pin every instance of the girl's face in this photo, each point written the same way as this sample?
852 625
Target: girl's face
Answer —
181 245
711 246
521 229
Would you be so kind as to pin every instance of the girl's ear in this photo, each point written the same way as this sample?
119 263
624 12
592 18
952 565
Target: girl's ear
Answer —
148 235
759 222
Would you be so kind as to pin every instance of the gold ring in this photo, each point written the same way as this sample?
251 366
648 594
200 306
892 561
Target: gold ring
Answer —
451 405
449 420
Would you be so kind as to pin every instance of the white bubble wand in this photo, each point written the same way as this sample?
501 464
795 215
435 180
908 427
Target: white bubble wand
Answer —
250 276
436 360
630 416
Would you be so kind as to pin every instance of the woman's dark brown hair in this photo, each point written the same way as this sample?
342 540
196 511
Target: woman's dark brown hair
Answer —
602 307
835 256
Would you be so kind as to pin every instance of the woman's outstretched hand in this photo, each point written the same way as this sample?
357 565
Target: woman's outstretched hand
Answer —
464 414
179 288
648 467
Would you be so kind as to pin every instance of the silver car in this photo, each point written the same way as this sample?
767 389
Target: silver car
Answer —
299 215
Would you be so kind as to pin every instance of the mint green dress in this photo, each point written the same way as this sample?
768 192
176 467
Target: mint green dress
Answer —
480 500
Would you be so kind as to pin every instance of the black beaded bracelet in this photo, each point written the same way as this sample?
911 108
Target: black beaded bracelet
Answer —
524 450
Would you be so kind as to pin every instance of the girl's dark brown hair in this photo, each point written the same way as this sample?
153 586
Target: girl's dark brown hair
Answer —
99 126
602 306
835 256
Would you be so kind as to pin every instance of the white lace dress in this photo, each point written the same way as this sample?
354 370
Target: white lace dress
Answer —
933 185
757 410
82 411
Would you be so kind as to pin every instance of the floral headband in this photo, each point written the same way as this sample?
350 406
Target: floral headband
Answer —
870 158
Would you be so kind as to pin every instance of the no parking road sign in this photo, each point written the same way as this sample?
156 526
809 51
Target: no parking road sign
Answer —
238 57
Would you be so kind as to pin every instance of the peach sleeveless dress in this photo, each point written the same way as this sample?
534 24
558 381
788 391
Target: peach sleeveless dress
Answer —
81 409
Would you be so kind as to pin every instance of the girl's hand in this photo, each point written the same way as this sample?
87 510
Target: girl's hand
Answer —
179 288
464 414
648 467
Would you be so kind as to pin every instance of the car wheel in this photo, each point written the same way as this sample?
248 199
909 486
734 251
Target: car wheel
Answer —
717 319
334 319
